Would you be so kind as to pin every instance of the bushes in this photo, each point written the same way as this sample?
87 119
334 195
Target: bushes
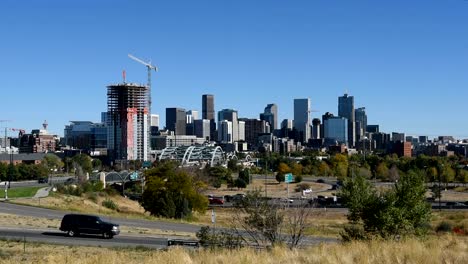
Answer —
298 178
301 187
444 227
108 203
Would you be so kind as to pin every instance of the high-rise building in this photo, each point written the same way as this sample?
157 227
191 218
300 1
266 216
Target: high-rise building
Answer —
202 128
253 128
270 114
241 128
423 139
325 117
287 123
316 128
154 120
230 115
176 120
361 122
86 135
373 129
336 128
302 119
191 116
128 122
398 137
225 131
208 112
346 110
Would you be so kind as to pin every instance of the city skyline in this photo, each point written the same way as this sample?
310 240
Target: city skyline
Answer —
409 75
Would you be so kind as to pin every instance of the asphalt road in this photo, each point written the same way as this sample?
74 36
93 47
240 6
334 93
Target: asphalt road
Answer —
57 237
23 210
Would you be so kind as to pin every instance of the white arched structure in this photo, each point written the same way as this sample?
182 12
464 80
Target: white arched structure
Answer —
194 155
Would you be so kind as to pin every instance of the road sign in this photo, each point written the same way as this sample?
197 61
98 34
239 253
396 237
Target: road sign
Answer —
288 178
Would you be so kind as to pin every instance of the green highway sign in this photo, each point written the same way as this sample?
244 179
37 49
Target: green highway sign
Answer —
288 178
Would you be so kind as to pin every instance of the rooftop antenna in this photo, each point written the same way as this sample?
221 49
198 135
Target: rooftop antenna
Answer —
44 125
124 75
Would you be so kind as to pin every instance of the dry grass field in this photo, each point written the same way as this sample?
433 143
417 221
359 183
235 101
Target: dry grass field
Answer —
273 188
445 249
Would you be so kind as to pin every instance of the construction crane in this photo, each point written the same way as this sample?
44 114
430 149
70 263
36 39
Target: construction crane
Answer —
20 130
150 68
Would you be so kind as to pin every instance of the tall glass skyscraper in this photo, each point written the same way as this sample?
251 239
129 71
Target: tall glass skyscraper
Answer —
346 110
302 118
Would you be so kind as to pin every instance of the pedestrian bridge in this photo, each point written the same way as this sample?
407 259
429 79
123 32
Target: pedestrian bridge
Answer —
194 155
118 177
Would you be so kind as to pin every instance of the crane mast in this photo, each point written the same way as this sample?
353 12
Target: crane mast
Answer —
150 68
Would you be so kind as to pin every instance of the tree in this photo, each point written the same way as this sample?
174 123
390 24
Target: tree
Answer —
447 175
3 171
340 166
245 175
382 171
462 176
401 211
240 183
52 162
283 168
393 174
82 164
323 169
12 173
296 169
97 164
171 192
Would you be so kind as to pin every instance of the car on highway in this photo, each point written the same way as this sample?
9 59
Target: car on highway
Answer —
286 200
76 224
42 180
216 200
320 181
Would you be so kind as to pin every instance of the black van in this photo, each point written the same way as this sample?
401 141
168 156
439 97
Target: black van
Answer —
75 224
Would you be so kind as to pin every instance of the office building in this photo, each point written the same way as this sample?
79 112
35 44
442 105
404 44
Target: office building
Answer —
423 139
208 112
270 114
373 128
361 122
346 110
176 120
336 129
398 137
325 117
225 132
128 122
230 115
316 124
301 118
154 120
202 129
253 128
86 136
241 128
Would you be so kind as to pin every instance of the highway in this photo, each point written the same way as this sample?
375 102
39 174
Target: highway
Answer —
57 237
14 209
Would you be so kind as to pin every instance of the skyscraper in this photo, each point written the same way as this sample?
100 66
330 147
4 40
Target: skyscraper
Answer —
128 122
155 120
230 115
346 110
301 118
361 122
270 114
316 128
208 112
336 128
176 120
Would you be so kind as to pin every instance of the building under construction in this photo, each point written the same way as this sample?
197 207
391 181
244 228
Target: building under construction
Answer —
128 121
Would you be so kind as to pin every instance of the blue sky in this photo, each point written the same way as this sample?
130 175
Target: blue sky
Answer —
405 61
